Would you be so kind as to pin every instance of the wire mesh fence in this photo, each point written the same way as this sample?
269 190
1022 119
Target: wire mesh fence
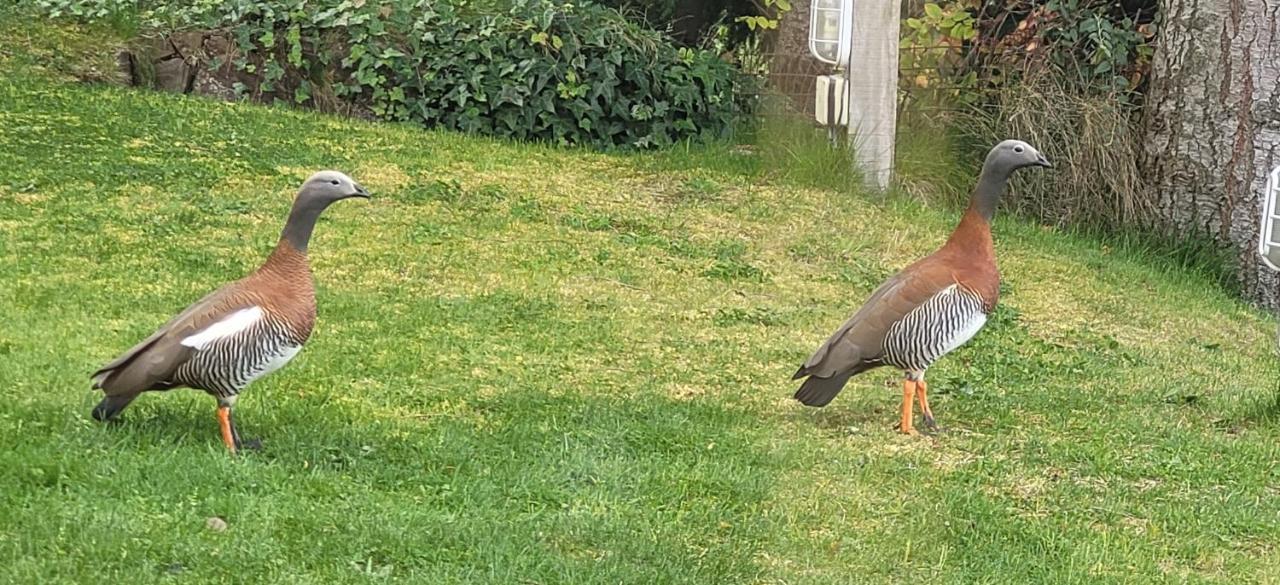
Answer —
791 81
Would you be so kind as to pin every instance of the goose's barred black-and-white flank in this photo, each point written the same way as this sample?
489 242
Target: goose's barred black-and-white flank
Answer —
226 365
937 326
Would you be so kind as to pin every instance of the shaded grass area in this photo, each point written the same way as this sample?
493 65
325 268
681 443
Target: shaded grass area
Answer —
547 366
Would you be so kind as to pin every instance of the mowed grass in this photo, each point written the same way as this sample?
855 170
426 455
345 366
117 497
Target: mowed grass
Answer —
536 365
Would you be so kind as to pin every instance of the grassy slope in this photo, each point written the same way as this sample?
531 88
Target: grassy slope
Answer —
545 366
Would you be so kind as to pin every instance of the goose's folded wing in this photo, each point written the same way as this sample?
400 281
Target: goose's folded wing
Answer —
153 359
859 342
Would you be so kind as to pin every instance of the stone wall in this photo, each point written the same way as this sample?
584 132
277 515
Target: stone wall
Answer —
184 63
203 63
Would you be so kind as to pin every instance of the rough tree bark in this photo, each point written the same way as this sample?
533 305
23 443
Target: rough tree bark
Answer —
1213 125
793 69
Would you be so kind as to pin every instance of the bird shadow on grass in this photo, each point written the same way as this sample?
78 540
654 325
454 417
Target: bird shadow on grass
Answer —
185 418
851 417
267 436
526 424
1263 411
166 426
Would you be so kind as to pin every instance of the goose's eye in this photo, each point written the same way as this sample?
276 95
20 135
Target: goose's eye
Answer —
335 181
1015 149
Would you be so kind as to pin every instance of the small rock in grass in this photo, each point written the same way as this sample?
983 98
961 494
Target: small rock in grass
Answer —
215 524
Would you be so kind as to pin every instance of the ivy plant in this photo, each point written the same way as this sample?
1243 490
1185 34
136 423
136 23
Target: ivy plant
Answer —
537 70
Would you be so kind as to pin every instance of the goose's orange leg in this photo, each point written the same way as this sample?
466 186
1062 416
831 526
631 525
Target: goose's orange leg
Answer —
908 396
922 395
224 423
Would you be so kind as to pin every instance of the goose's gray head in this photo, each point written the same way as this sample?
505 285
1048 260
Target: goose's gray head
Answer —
325 187
1011 155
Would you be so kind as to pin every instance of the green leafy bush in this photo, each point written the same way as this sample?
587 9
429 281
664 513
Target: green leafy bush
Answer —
534 70
692 21
933 50
1103 45
1106 46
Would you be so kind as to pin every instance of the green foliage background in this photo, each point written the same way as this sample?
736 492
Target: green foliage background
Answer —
531 70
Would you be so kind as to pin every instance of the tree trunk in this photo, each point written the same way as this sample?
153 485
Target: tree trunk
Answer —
1213 125
793 70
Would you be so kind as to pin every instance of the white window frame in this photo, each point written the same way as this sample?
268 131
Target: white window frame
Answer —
1269 233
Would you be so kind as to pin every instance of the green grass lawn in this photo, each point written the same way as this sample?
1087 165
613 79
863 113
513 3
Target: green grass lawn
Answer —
536 365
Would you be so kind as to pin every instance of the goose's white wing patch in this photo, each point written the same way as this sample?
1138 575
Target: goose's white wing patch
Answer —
226 327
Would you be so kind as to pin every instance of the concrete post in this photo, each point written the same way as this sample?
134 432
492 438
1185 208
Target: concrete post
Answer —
873 88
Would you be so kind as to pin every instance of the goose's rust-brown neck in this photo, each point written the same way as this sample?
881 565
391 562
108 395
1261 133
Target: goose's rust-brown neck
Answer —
972 237
285 288
286 258
285 278
970 255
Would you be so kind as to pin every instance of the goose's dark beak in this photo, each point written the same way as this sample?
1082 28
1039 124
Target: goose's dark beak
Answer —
1044 162
360 192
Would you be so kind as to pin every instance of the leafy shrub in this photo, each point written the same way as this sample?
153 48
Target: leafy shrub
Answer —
537 70
692 22
657 12
1103 46
968 46
933 49
84 9
1068 76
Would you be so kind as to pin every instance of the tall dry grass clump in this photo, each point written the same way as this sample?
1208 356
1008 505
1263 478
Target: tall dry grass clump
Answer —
1093 140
